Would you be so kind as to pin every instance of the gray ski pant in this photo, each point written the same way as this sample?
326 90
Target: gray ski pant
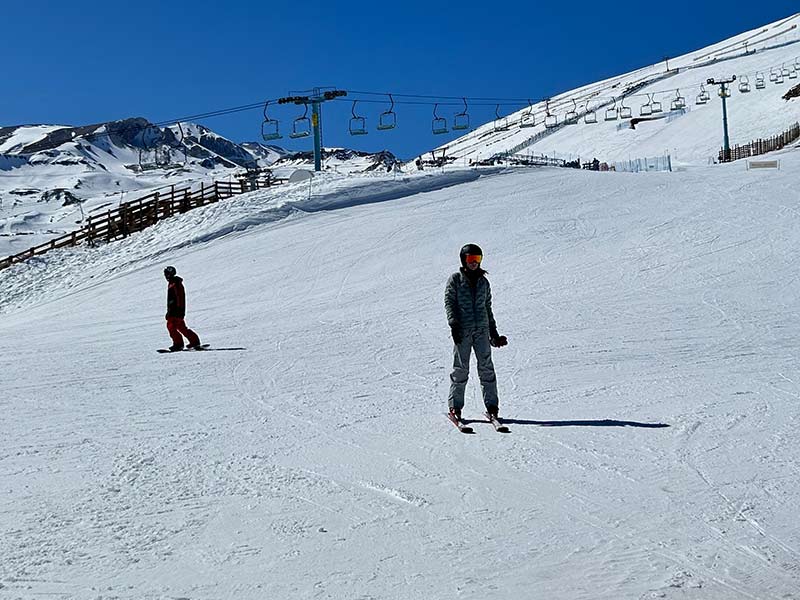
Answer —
478 341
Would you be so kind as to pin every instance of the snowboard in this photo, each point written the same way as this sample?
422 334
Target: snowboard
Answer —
186 349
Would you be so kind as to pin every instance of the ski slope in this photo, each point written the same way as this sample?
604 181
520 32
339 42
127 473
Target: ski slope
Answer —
691 136
651 386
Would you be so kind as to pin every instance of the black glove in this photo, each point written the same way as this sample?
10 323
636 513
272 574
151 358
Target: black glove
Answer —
455 331
497 340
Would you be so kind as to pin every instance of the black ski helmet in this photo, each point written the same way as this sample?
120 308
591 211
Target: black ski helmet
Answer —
170 272
469 249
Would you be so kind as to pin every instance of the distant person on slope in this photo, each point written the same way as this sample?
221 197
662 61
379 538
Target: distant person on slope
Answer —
176 312
468 303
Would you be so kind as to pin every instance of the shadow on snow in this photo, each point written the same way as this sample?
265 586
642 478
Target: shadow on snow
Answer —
584 423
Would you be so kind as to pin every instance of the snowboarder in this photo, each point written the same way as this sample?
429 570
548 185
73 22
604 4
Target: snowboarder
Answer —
176 312
468 303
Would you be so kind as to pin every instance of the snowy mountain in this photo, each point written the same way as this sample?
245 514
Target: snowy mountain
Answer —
688 125
52 177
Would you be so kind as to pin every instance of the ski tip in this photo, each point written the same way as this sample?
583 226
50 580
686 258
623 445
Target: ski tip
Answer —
497 424
463 428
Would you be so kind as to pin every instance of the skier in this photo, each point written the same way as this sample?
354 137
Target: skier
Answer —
176 311
468 303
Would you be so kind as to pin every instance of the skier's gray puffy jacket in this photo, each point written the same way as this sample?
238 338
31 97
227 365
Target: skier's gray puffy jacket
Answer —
468 308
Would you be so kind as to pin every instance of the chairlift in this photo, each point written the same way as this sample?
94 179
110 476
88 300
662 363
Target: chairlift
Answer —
646 110
773 75
589 116
760 81
152 143
269 128
358 125
163 156
439 124
528 119
744 84
679 103
655 105
724 91
461 120
179 145
793 72
612 113
625 112
301 126
571 117
388 118
703 97
500 123
550 121
785 72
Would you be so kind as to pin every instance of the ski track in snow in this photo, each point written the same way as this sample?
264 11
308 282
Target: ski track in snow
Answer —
649 382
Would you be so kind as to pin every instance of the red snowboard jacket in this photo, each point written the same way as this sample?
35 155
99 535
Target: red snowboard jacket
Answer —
176 298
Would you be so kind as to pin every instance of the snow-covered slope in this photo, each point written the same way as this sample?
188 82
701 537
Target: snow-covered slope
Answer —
651 385
691 136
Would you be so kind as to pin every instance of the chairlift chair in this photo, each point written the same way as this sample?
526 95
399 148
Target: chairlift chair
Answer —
646 110
612 113
179 145
785 72
760 81
269 128
528 119
301 126
792 72
744 84
163 156
500 123
461 119
439 124
703 97
550 121
679 103
358 125
655 105
773 75
589 116
388 118
571 116
625 112
269 131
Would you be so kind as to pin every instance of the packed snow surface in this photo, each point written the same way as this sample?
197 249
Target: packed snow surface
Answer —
650 383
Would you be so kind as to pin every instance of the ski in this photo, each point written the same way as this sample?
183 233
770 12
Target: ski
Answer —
498 426
187 349
462 427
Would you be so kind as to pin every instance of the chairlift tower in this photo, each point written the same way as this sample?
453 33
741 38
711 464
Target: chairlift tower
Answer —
315 97
724 93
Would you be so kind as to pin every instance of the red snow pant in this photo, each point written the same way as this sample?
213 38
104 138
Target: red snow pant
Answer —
177 326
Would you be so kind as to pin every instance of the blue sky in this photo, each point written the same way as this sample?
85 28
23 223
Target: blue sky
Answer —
86 62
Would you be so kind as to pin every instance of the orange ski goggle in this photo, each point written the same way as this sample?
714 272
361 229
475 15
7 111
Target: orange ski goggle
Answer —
473 258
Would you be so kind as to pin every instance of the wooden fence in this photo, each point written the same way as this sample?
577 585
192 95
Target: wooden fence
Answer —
757 147
136 215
